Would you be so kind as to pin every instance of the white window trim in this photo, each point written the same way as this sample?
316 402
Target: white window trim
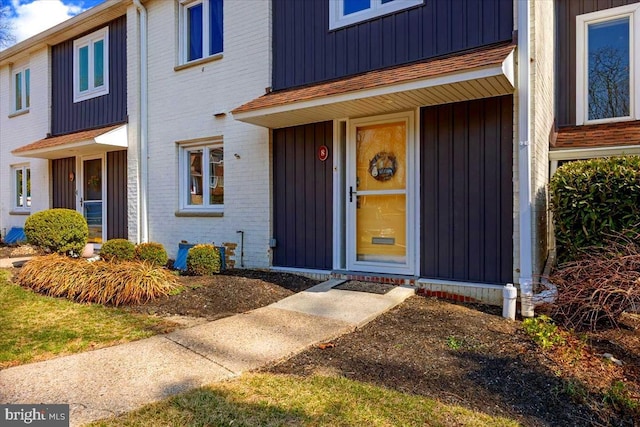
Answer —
338 20
23 89
184 167
88 40
582 23
14 196
185 5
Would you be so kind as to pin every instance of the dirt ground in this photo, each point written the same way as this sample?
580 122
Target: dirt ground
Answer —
233 291
461 354
457 353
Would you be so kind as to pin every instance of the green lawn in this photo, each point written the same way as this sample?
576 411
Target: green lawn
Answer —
282 400
36 327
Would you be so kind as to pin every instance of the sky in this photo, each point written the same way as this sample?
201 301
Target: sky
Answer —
30 17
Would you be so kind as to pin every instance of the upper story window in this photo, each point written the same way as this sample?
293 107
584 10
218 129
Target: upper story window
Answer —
201 29
347 12
606 65
91 65
21 88
202 176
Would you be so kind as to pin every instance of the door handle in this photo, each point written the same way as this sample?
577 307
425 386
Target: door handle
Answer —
81 201
351 194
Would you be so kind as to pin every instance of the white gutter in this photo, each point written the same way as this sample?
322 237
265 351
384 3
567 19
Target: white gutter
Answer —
143 174
524 161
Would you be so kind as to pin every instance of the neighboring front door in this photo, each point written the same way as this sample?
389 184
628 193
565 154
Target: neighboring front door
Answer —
92 188
380 232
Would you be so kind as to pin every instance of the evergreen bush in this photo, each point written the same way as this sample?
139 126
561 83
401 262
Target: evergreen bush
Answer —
62 231
592 200
118 250
152 252
203 260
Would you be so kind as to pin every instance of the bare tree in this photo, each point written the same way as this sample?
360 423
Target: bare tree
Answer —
608 83
7 38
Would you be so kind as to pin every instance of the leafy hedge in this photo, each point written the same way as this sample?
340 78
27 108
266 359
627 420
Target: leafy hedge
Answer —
592 200
63 231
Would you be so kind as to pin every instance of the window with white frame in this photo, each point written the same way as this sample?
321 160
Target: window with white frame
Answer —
21 177
201 23
347 12
21 87
606 65
91 65
202 176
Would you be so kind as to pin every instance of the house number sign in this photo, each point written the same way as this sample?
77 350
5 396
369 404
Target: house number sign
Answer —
323 153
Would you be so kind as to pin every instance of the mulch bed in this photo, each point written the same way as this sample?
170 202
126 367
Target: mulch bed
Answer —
452 353
457 353
231 292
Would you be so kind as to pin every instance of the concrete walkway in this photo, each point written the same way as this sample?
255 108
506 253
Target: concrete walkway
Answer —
114 380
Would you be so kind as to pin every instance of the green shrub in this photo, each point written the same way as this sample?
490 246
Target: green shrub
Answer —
100 282
543 331
151 252
117 250
592 200
63 231
203 260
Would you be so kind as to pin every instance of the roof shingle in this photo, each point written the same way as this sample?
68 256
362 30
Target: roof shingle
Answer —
601 135
70 138
480 58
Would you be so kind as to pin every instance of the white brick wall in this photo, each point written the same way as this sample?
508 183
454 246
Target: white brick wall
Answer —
541 86
133 88
542 116
21 130
181 107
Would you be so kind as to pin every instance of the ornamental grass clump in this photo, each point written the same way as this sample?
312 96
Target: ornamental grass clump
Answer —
99 282
203 260
152 252
118 250
62 231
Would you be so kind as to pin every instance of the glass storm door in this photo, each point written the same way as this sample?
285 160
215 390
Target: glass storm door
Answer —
378 197
91 199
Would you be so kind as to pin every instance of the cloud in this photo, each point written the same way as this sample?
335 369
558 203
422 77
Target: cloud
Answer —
39 15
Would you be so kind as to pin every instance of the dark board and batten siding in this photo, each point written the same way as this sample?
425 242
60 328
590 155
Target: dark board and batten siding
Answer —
63 189
467 191
117 219
305 51
67 116
566 12
303 197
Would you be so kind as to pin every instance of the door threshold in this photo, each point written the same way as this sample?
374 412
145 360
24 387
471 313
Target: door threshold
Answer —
393 279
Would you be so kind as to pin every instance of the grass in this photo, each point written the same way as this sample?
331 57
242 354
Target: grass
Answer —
284 400
36 327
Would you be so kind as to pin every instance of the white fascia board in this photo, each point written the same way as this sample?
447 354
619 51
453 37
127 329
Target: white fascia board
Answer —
116 137
589 153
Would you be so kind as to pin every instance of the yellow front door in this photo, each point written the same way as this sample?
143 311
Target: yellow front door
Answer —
378 197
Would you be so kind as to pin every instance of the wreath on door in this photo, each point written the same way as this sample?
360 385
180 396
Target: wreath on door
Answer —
383 166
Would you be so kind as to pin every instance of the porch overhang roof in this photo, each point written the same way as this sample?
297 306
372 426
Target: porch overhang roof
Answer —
481 73
618 134
83 143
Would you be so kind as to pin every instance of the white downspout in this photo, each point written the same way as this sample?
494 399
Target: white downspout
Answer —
524 161
143 174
